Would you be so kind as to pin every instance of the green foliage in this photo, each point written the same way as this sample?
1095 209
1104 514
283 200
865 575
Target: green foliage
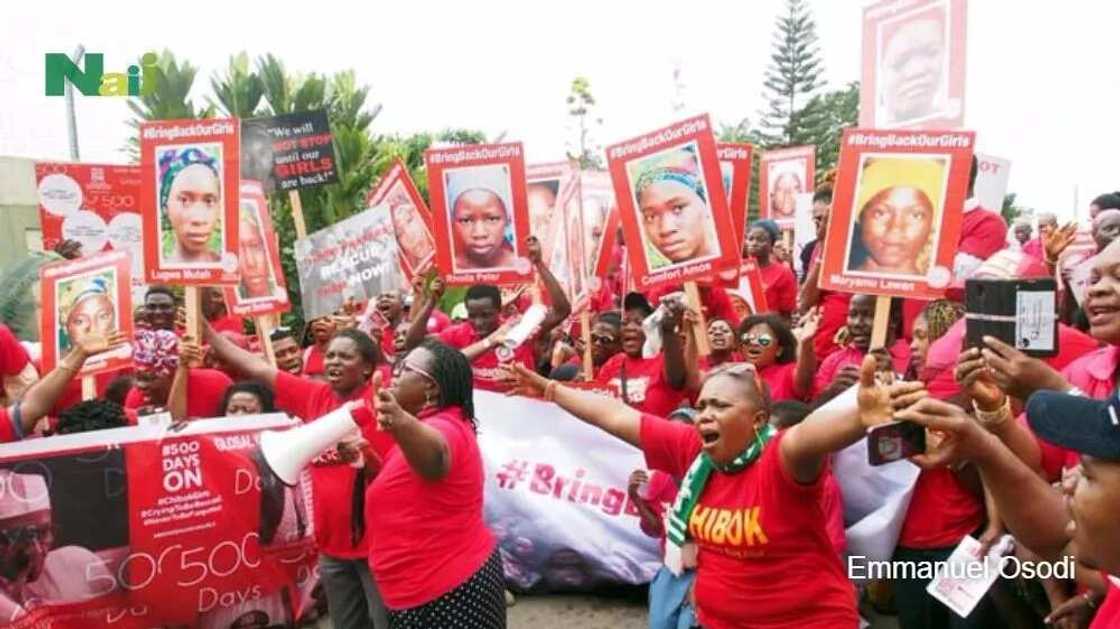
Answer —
169 101
794 72
239 90
581 107
825 117
1012 211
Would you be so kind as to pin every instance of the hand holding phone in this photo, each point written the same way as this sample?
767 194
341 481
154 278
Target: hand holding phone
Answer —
894 441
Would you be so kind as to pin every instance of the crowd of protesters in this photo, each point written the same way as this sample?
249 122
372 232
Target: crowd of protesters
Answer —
739 487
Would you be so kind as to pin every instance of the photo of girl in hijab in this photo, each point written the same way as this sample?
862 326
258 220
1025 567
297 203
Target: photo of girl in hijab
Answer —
480 217
897 212
673 207
414 241
189 180
252 257
87 306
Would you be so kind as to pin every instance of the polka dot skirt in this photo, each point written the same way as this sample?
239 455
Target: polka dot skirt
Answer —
479 603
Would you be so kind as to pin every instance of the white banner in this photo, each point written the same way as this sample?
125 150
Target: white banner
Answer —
556 497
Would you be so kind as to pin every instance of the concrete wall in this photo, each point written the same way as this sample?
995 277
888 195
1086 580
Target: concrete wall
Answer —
19 209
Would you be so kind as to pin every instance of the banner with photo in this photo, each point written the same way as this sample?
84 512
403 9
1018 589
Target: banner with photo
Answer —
412 222
913 72
144 526
88 296
289 152
262 288
545 184
480 213
191 201
782 175
354 259
896 212
735 168
671 203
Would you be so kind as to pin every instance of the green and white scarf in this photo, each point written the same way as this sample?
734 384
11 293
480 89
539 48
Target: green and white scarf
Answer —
695 479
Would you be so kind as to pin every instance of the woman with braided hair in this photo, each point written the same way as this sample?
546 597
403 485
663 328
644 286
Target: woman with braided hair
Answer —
190 198
931 324
435 562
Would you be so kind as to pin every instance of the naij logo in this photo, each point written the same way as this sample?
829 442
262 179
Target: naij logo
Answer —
92 80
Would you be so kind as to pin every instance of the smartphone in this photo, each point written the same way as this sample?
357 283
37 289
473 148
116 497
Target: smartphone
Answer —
893 441
1023 313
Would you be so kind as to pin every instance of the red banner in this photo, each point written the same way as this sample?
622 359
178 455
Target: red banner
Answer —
142 527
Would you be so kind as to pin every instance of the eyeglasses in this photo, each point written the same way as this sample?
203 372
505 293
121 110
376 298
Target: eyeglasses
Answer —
601 339
402 367
762 340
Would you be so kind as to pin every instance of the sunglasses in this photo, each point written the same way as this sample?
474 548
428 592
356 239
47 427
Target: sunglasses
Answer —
762 340
600 339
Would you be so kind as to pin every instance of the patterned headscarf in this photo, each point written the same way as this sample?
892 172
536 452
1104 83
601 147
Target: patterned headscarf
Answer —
172 162
77 293
156 351
678 166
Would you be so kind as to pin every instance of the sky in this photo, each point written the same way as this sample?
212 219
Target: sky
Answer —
1041 84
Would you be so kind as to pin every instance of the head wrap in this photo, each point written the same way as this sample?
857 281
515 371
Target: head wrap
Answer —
770 227
75 293
883 173
678 166
491 178
156 351
26 502
172 162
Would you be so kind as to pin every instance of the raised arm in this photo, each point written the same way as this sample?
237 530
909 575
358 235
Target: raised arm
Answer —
243 361
418 327
1030 508
843 421
810 294
38 400
190 355
676 373
605 413
560 308
806 354
424 447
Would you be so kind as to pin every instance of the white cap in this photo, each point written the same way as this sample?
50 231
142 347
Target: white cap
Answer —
492 177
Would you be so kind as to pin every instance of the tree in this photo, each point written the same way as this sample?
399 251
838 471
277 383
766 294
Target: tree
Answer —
1010 211
169 101
794 72
238 92
825 117
581 107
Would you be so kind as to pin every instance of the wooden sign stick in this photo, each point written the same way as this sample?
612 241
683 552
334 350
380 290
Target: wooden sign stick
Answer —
881 323
297 214
700 329
585 333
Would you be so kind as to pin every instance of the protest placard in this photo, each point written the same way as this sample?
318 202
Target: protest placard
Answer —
262 289
783 174
289 152
735 168
412 222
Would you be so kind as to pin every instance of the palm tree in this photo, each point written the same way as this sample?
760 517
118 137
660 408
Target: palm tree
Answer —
169 101
239 90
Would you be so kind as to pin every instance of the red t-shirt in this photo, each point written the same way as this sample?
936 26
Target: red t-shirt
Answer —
7 428
780 380
1108 616
331 480
983 233
1035 249
388 342
205 390
900 357
13 357
229 323
765 558
832 503
485 367
429 536
646 388
780 287
313 361
942 511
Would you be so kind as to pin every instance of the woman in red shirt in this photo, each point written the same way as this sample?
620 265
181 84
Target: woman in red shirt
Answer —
652 385
350 360
721 340
784 360
750 496
778 280
435 562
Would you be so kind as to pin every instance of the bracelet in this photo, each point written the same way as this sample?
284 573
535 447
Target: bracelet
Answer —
64 367
550 391
993 419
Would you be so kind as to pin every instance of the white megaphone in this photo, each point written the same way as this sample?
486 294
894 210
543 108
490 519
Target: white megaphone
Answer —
287 452
520 332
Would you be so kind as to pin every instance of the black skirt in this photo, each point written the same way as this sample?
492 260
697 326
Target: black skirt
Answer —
479 603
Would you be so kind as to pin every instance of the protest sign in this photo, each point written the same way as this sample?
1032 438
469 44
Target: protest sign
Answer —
88 296
412 222
913 65
782 175
262 289
992 175
289 152
748 296
544 185
97 205
671 204
896 212
735 168
155 528
480 213
354 259
190 201
566 257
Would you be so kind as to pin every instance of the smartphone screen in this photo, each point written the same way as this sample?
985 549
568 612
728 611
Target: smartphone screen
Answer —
894 441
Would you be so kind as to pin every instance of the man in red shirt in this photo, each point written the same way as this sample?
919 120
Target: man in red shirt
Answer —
159 308
289 356
983 232
478 337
